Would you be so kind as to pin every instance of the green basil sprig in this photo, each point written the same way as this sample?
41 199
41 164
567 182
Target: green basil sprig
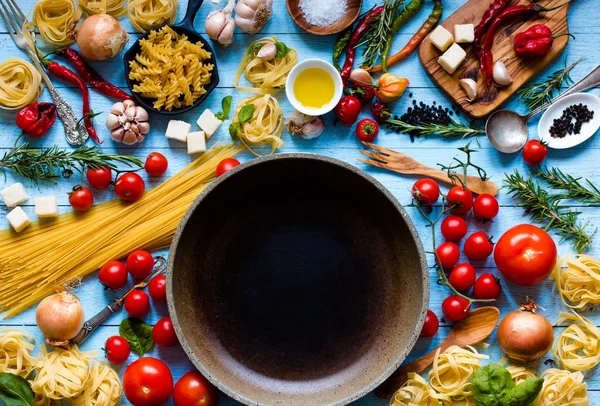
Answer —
138 334
244 115
15 391
492 385
226 107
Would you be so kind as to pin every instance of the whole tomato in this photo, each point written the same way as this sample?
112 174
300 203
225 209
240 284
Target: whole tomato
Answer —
130 187
487 286
158 288
148 382
462 276
426 191
156 164
163 333
454 228
226 165
193 389
525 254
455 308
137 304
461 199
478 246
117 350
448 254
485 207
431 325
367 130
113 274
347 110
139 264
99 178
534 152
81 198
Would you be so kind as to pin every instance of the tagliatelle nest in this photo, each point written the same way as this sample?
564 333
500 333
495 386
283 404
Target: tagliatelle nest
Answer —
416 391
519 374
562 388
103 387
578 280
15 352
578 346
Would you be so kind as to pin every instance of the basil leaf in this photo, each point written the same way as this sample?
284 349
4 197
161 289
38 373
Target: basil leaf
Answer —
524 393
15 391
138 334
234 131
246 113
226 107
490 385
255 48
282 50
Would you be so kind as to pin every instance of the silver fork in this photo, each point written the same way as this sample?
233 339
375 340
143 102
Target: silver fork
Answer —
14 19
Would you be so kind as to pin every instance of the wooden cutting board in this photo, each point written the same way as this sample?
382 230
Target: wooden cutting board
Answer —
522 70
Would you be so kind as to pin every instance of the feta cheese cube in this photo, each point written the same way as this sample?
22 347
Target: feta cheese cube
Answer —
178 130
46 207
441 38
14 195
209 123
18 219
196 142
464 33
452 58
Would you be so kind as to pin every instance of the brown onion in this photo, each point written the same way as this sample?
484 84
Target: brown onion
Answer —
101 37
525 335
60 317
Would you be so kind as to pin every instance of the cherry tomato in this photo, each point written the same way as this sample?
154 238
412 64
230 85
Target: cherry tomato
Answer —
163 333
99 178
148 382
140 264
461 198
454 228
226 165
193 389
137 304
426 191
462 277
534 152
448 254
158 288
130 186
478 246
156 164
431 325
117 350
455 308
485 206
487 286
81 198
113 274
525 254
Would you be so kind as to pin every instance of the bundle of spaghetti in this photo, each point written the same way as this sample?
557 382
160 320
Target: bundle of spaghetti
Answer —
578 346
578 280
45 256
15 352
562 388
417 392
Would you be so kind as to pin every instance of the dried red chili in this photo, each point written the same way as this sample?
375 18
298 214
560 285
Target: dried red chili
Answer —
537 40
36 119
488 17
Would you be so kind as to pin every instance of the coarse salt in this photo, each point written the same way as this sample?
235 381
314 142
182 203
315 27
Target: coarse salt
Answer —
323 12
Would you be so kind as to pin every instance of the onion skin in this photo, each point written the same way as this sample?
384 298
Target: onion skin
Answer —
525 336
101 37
60 316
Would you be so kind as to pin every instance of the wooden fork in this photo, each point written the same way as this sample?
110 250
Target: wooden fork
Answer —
401 163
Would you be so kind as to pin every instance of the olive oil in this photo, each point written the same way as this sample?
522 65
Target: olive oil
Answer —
314 88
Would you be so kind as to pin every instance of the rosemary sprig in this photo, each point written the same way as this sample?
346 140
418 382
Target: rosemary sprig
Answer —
557 179
376 37
452 130
50 163
535 95
544 207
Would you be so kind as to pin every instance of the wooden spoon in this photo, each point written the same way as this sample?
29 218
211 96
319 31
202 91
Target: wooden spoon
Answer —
473 329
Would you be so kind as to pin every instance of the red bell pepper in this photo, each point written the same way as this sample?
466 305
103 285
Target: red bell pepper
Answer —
36 119
537 40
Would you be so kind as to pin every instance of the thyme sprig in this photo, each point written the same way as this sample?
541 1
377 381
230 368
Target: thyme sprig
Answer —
50 163
376 36
557 179
544 207
449 131
463 166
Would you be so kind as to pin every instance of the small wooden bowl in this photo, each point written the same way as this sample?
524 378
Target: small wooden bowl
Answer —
352 13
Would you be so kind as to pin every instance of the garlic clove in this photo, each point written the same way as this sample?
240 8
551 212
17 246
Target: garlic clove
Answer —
245 24
267 51
117 134
215 22
500 74
128 103
112 122
141 114
244 10
361 75
129 138
226 36
118 108
130 113
470 88
134 127
140 138
143 127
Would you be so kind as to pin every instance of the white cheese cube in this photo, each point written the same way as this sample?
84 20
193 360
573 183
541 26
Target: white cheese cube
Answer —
178 130
452 58
209 123
196 143
464 33
46 207
14 195
18 219
441 38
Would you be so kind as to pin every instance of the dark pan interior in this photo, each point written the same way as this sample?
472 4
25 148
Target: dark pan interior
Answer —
297 281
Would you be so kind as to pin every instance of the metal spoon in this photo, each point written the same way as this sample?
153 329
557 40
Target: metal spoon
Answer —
507 130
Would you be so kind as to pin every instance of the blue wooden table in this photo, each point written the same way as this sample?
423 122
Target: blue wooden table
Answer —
338 142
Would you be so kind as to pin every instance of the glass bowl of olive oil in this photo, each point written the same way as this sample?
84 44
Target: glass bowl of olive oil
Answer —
314 87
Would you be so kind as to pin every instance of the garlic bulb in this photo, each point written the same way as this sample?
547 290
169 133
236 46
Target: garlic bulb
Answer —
470 88
252 15
501 75
220 25
305 126
128 123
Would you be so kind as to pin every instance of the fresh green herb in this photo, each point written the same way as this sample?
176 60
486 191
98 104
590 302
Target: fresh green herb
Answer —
340 46
15 391
255 48
282 50
376 36
226 107
138 334
557 179
452 130
492 385
244 115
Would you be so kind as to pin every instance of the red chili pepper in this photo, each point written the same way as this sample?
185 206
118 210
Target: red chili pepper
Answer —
363 91
488 17
380 112
347 110
537 40
367 130
91 76
36 119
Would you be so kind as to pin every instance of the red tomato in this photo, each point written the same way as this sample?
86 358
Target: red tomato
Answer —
454 228
226 165
99 178
81 198
193 389
485 206
158 288
455 308
478 246
130 186
426 191
113 274
525 254
534 152
431 325
448 254
148 382
487 286
462 276
137 304
461 198
156 164
117 350
163 333
140 264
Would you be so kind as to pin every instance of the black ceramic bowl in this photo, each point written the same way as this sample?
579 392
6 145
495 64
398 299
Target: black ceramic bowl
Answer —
297 279
186 27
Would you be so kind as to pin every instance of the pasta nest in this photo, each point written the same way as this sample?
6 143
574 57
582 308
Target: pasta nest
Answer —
578 280
520 374
266 125
115 8
57 20
15 352
578 346
146 15
417 392
20 84
103 387
562 388
61 374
